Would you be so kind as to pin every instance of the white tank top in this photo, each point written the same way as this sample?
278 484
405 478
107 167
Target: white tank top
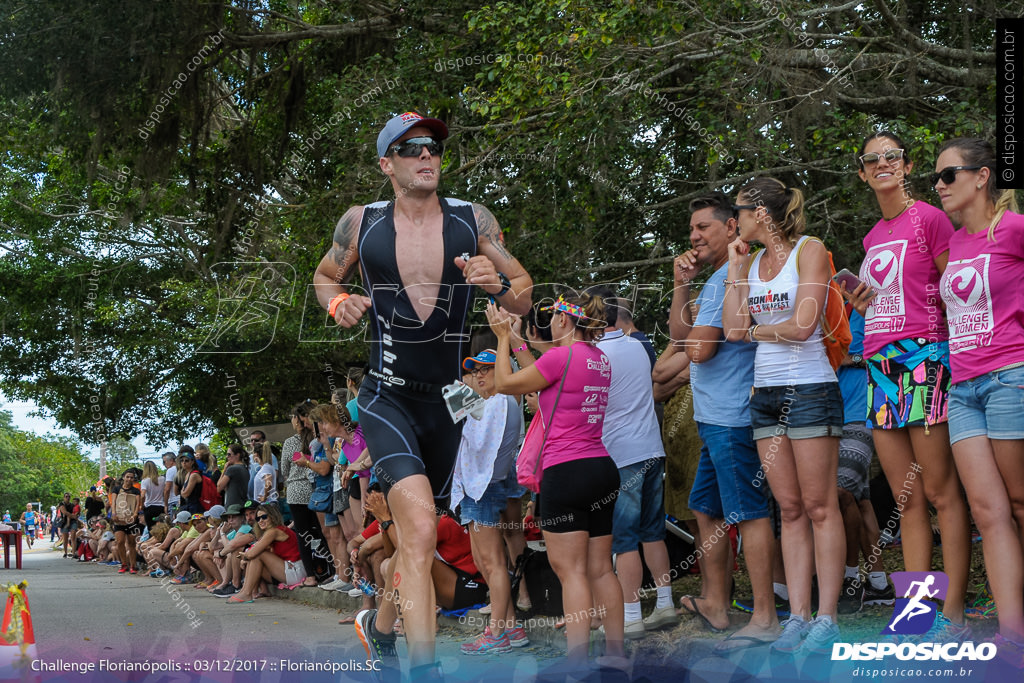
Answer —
771 302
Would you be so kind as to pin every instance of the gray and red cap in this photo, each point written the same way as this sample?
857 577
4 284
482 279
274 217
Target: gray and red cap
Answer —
398 126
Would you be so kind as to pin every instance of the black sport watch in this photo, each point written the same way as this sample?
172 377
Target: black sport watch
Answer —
506 284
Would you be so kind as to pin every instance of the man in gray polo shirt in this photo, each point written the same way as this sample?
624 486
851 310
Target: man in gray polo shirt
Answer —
633 439
727 488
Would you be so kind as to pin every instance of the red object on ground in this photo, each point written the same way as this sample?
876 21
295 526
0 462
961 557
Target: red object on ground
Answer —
10 538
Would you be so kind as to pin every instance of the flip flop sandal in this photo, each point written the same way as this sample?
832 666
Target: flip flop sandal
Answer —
689 604
234 600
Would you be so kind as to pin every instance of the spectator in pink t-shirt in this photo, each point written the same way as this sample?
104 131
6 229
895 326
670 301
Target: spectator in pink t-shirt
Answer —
580 482
985 309
907 357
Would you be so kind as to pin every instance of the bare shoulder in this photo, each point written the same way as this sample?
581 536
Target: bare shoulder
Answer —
347 228
486 223
490 232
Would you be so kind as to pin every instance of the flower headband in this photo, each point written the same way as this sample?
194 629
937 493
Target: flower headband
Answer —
564 306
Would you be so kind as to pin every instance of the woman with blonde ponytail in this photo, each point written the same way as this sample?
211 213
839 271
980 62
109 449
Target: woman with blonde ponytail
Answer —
796 410
985 311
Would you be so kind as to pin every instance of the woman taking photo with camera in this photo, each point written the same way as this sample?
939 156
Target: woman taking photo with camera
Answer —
580 481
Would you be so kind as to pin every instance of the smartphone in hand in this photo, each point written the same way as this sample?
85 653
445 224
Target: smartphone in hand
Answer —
845 277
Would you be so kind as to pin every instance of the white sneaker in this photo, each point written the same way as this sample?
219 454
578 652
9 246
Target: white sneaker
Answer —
332 585
355 593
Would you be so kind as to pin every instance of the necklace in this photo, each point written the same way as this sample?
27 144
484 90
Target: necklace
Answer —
902 211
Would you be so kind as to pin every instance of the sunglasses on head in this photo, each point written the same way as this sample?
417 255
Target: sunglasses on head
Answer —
260 518
413 147
948 174
888 155
736 208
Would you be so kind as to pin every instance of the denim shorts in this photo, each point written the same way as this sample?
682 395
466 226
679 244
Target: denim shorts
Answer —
991 405
331 519
799 411
487 510
729 482
640 508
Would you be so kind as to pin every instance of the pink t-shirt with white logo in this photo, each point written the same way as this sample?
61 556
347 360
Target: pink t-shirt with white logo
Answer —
984 299
575 432
900 266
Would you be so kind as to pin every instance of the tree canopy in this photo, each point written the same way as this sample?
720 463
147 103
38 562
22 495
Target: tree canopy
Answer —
172 171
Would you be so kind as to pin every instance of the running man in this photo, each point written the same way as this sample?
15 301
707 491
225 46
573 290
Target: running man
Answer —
29 520
419 258
915 607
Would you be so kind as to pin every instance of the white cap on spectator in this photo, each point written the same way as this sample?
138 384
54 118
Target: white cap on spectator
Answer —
182 517
215 511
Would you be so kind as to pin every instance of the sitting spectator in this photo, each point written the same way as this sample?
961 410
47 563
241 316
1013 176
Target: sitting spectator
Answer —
238 534
204 524
366 554
274 557
158 557
202 555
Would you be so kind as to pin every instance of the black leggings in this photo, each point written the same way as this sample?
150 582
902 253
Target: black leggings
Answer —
307 527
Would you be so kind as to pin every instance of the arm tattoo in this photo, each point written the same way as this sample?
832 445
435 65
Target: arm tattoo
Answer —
343 252
489 229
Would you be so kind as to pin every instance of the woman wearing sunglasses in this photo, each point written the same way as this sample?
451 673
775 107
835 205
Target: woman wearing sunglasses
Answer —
274 557
580 482
907 356
796 410
985 310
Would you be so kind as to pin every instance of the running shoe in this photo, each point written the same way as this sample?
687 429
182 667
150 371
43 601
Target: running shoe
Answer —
517 637
984 605
851 598
874 596
821 636
793 631
945 631
122 570
133 570
226 591
487 644
377 645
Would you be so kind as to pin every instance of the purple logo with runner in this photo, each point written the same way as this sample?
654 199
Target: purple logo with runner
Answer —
915 611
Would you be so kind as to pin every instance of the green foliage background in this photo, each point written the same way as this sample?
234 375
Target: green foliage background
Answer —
158 156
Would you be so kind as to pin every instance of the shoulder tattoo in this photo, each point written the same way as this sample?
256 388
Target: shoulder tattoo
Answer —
488 227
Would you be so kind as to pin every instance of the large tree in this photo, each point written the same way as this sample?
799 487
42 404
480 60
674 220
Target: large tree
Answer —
172 171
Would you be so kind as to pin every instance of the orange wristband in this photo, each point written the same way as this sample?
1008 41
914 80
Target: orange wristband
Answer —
333 306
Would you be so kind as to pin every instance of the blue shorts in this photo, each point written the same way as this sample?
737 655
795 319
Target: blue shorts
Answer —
800 411
487 510
640 508
727 484
991 405
331 519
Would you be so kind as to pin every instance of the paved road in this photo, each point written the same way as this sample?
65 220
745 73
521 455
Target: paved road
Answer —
85 613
